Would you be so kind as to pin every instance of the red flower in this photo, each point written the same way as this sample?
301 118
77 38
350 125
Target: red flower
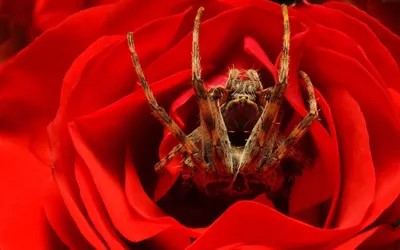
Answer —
95 186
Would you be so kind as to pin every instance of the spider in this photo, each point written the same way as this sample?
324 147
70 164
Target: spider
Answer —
216 164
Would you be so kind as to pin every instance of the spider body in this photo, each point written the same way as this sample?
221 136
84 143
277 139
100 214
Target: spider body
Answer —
241 108
242 101
237 150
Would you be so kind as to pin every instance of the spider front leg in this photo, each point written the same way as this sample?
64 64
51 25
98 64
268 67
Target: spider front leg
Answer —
177 150
262 136
160 113
299 131
216 146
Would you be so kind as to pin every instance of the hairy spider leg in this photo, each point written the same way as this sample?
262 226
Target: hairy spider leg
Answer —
216 145
298 131
160 113
263 132
177 150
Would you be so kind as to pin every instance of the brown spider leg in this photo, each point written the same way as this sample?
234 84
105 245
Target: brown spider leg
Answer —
160 113
177 150
264 95
216 145
297 133
263 132
300 160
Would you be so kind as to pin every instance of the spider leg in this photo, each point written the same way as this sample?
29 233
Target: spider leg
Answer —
177 150
261 137
160 113
265 95
297 133
300 159
216 146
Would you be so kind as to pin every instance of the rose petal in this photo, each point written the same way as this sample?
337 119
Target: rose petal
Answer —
388 39
252 47
61 220
135 193
253 223
48 14
358 174
357 240
116 127
129 223
382 120
21 211
241 246
386 12
376 52
93 203
321 37
171 239
381 237
32 86
64 178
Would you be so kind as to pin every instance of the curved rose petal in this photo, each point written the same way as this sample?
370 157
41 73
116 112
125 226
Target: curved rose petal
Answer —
32 86
376 52
357 240
135 194
48 14
170 239
96 67
253 223
251 46
129 223
381 237
321 37
21 210
92 71
358 185
241 246
61 221
396 99
76 210
96 211
386 235
64 163
388 39
118 45
386 12
116 125
382 121
263 199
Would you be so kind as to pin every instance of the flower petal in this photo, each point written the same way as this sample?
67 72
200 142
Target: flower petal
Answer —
376 52
358 174
21 210
93 203
388 39
253 223
61 220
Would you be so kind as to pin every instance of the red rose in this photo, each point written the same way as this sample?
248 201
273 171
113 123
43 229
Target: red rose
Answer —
95 186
